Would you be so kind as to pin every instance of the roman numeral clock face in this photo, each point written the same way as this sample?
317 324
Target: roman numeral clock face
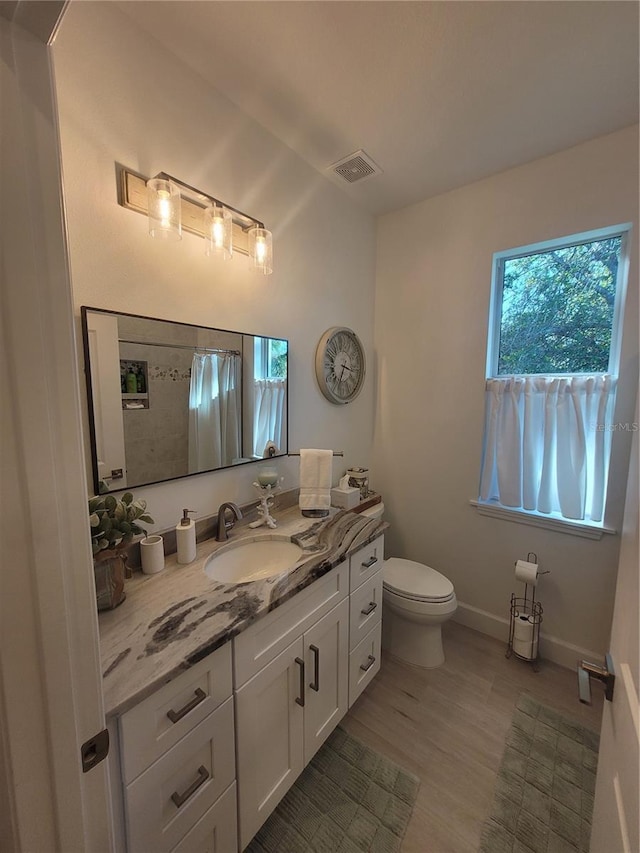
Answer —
340 365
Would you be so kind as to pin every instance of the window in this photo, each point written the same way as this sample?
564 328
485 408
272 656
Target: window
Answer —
270 358
552 364
269 394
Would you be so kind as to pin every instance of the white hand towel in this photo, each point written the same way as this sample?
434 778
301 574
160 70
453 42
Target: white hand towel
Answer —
315 479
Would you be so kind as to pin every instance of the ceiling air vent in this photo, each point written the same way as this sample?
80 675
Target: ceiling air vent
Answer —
356 167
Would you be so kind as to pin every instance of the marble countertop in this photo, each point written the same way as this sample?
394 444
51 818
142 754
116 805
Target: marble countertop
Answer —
171 620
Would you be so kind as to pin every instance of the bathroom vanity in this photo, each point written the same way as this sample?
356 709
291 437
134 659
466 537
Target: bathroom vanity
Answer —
218 695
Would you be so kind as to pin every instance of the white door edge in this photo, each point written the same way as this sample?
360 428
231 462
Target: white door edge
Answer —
49 658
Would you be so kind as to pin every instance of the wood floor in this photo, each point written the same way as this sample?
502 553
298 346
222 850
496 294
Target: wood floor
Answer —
448 726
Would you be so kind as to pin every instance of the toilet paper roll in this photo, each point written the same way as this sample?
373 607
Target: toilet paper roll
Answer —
527 572
152 554
523 637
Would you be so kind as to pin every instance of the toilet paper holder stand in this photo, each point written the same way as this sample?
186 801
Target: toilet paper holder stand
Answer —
524 622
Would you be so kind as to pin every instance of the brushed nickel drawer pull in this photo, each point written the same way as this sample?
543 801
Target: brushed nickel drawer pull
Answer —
370 562
200 696
181 799
300 698
315 684
370 662
372 606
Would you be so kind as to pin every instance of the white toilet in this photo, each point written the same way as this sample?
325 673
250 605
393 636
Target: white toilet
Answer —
416 601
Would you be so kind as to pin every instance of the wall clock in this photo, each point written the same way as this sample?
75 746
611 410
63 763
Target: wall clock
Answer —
340 364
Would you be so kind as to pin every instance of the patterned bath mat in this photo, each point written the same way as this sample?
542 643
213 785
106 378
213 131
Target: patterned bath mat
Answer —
349 799
543 800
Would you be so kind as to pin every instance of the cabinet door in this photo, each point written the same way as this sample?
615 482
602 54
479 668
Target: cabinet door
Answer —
104 354
327 677
270 737
262 641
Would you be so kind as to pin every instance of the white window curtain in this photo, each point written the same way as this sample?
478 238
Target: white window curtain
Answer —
547 443
214 411
268 413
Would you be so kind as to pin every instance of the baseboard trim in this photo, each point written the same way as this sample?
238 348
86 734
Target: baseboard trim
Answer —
551 648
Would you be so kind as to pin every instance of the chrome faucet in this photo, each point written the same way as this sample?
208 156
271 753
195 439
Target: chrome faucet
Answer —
223 524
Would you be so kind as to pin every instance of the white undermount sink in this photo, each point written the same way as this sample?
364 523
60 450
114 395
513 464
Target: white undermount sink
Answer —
252 559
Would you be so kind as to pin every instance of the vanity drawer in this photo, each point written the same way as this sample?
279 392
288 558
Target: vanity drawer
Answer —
366 562
365 609
364 662
149 730
217 829
263 641
197 771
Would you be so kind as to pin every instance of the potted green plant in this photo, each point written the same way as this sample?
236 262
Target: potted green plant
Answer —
114 523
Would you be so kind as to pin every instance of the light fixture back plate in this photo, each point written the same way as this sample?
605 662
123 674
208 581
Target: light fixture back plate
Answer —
132 194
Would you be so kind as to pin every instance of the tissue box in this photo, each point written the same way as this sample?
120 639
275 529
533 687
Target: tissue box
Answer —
345 498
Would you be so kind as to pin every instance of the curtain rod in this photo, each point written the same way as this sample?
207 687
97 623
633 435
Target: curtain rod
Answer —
179 346
335 453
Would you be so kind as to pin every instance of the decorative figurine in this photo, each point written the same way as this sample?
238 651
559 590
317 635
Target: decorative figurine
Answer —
266 494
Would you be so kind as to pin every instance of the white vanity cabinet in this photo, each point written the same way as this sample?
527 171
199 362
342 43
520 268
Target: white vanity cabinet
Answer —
266 700
177 761
296 672
286 709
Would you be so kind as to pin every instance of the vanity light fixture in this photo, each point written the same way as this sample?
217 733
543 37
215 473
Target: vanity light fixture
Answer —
173 207
218 225
165 215
261 249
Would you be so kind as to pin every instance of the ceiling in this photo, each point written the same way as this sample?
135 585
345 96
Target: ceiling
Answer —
439 94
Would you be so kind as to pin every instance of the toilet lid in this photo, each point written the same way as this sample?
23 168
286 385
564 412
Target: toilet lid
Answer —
415 580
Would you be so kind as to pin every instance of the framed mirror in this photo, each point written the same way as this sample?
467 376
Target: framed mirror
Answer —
167 400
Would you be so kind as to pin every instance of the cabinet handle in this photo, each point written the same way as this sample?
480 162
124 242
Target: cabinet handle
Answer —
370 562
370 662
181 799
315 684
372 606
200 696
300 698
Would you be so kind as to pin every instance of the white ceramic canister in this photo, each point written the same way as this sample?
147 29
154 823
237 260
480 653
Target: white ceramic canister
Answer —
152 554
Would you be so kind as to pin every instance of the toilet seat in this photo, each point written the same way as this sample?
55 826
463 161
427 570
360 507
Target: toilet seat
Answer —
415 581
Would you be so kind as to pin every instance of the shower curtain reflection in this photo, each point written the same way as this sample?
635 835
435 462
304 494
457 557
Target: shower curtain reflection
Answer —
214 411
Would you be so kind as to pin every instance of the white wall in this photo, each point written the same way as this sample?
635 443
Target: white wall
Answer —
433 280
124 99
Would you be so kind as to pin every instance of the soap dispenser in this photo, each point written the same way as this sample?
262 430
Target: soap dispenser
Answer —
186 538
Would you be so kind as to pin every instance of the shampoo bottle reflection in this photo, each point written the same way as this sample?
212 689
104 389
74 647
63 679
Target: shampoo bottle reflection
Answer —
132 382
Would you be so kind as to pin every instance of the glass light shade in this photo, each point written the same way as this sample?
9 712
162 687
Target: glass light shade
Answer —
261 249
218 229
165 214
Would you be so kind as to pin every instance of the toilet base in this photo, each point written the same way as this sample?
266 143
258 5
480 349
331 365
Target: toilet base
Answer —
412 642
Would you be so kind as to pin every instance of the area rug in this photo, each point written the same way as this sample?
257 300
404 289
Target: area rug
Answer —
349 799
543 800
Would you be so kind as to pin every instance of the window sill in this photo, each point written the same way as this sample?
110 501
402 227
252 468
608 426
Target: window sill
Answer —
574 528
